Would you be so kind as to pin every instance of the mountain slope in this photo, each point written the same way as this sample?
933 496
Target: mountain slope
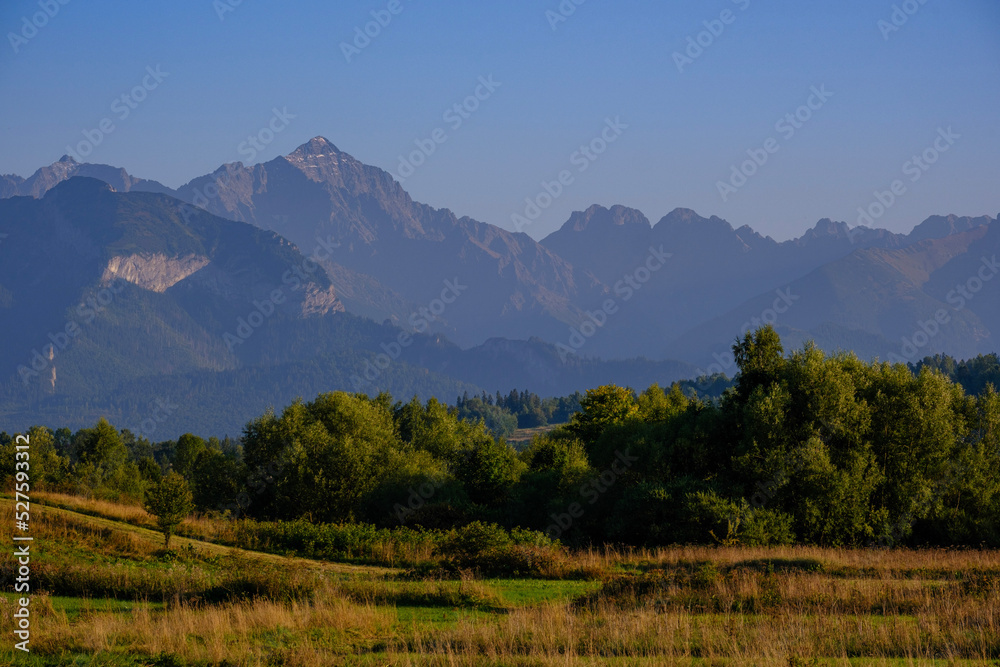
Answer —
46 178
713 267
404 250
87 260
392 259
936 295
124 302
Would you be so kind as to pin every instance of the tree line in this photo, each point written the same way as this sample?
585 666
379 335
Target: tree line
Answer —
519 409
801 448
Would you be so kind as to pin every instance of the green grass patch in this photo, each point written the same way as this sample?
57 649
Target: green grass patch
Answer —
527 592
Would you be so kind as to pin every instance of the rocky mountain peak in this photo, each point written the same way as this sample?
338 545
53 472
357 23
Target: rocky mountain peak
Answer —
600 217
826 228
318 159
940 226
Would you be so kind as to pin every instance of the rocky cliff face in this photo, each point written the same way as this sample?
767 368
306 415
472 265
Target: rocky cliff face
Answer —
88 266
153 271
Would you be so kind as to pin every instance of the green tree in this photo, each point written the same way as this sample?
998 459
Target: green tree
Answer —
655 404
605 406
759 359
169 501
489 470
189 448
101 454
215 477
321 459
47 468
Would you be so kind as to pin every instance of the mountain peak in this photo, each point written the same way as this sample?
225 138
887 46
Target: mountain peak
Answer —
318 159
681 218
316 147
682 215
827 227
67 158
598 216
940 226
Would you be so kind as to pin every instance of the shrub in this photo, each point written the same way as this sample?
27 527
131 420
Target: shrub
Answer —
731 522
489 549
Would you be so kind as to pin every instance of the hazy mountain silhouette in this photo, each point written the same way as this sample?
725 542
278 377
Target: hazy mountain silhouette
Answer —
391 258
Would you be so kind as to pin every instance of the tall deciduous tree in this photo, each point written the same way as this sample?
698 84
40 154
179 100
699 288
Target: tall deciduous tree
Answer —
321 459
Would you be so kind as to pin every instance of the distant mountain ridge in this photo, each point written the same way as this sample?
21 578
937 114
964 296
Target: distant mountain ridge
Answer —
389 257
934 295
125 298
46 178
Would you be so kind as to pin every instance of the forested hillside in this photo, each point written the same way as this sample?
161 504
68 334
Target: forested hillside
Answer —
804 448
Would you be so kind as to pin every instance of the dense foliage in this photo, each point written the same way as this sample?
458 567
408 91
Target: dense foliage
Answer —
802 448
519 409
974 374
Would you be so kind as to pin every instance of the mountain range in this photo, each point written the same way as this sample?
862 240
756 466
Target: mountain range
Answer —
314 271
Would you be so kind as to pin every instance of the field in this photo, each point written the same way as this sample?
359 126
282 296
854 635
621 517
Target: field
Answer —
522 437
115 597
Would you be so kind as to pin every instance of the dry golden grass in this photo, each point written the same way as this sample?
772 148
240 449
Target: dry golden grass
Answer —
114 538
874 560
197 527
683 605
330 629
221 633
552 632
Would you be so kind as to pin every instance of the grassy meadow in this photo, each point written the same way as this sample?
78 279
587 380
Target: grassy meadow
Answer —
113 596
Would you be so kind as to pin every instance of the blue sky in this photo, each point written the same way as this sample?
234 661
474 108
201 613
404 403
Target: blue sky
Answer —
686 129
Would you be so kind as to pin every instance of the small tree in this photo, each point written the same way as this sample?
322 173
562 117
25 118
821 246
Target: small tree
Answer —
169 501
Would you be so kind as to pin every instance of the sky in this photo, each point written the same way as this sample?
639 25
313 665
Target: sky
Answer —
645 104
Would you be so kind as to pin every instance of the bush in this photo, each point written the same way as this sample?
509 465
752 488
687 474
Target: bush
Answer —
350 542
731 522
489 549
